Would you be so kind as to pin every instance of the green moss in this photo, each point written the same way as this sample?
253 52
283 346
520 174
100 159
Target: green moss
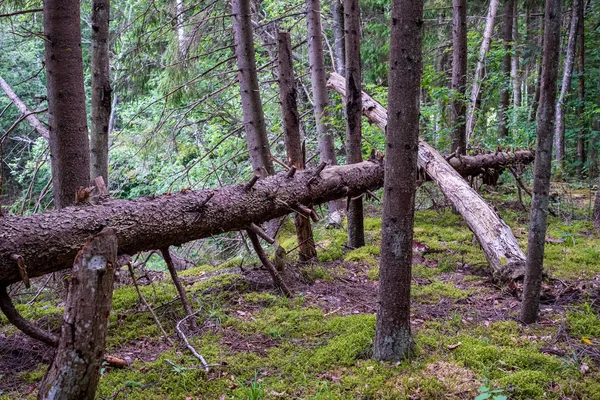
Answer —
527 384
264 298
584 323
373 273
372 224
126 297
433 292
422 271
362 253
315 272
233 263
330 253
34 376
220 282
289 321
197 271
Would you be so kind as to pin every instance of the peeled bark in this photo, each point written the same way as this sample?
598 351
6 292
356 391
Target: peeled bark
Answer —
293 143
543 164
559 127
459 76
500 246
254 119
477 78
356 232
69 143
393 338
507 36
319 90
75 371
101 90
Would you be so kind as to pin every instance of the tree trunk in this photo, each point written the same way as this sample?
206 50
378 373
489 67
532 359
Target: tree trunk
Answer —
581 91
181 40
319 89
69 143
293 142
75 371
356 233
559 128
597 207
478 76
101 90
339 46
543 164
393 338
29 116
254 119
459 76
507 37
515 73
595 143
500 246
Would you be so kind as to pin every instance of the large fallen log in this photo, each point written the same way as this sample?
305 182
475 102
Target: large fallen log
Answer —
499 244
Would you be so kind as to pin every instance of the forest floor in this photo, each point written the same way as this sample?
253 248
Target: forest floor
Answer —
318 344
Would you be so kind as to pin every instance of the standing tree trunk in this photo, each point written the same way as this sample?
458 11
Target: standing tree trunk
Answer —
515 74
597 207
477 78
356 233
581 91
181 41
559 129
459 76
507 37
254 119
293 142
75 371
101 91
543 164
595 142
319 89
69 144
339 46
393 338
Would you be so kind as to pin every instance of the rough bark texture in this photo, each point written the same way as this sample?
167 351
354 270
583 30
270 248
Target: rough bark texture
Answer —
478 76
581 91
319 89
507 37
101 90
559 128
459 76
495 237
393 338
293 142
254 119
69 143
543 163
29 116
356 233
339 46
49 242
75 371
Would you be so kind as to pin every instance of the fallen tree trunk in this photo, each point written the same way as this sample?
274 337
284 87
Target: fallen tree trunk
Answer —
49 242
499 244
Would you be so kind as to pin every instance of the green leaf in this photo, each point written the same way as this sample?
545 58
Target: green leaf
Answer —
502 397
483 396
483 389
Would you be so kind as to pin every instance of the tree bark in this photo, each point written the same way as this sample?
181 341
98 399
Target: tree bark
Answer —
293 143
559 128
393 338
254 119
319 89
75 371
29 116
478 76
101 90
507 37
69 143
339 46
459 76
356 233
515 73
581 91
543 163
500 246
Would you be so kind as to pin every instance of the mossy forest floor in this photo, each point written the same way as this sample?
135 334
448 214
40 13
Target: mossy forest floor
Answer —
318 344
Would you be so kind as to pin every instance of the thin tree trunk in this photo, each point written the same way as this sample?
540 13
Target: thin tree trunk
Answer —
597 207
515 73
339 46
581 92
69 143
319 89
478 76
101 90
393 338
356 233
75 371
507 37
293 143
187 307
559 128
595 143
459 76
543 164
25 112
181 40
254 119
